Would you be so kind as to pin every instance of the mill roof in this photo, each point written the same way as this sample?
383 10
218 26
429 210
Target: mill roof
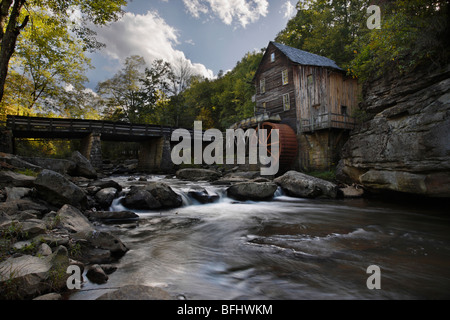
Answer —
305 58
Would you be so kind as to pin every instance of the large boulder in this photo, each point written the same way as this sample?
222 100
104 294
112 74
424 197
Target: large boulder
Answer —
99 247
203 196
12 179
257 191
156 195
114 216
15 207
404 147
57 190
140 199
61 166
17 162
300 185
83 167
96 274
193 174
105 197
27 276
71 219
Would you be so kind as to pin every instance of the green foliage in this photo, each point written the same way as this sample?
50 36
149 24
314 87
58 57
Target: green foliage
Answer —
327 28
324 175
57 149
27 172
122 93
413 33
47 71
221 102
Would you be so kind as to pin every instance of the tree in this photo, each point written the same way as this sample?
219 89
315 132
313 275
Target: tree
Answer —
155 92
327 28
227 99
49 59
14 19
413 33
122 93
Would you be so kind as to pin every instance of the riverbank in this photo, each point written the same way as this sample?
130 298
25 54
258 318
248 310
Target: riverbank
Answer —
53 220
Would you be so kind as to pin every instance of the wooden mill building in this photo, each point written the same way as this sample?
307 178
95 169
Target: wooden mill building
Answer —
313 96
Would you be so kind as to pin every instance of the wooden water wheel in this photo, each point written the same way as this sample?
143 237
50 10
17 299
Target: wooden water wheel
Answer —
288 144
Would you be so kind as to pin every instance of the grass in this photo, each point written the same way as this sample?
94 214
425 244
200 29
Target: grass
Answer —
325 175
27 172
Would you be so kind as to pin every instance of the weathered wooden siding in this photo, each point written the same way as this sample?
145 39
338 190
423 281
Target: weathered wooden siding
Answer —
275 90
320 95
342 91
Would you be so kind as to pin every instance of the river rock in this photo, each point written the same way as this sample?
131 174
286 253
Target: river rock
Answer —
140 199
5 220
18 162
105 197
12 179
99 247
14 207
154 195
83 167
257 191
352 192
44 250
203 196
29 276
57 190
300 185
17 193
164 194
193 174
114 216
103 184
33 227
137 292
71 219
96 274
61 166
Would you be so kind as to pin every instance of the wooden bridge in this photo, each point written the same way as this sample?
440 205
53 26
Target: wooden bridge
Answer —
37 127
154 140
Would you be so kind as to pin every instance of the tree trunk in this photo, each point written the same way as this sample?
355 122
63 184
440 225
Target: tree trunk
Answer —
9 38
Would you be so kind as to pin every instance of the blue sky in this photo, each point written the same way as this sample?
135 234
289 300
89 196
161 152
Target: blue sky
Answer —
210 35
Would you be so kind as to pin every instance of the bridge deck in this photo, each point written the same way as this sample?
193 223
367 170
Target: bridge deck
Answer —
36 127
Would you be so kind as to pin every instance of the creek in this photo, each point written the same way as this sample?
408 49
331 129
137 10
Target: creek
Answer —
287 248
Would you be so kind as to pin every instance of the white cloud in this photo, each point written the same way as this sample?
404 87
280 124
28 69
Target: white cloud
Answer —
289 10
147 35
229 11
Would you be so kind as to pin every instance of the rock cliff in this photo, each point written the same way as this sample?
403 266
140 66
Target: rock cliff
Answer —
405 147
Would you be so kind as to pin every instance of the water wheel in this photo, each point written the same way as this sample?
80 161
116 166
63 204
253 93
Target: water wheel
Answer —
288 144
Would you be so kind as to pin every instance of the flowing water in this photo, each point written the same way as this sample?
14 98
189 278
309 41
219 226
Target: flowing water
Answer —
287 248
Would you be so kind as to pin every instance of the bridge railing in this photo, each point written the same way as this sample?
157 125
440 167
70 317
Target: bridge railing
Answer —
21 123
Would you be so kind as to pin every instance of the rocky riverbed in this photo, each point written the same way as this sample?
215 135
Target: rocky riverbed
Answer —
54 219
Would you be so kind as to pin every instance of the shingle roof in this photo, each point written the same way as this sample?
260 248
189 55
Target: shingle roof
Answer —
305 58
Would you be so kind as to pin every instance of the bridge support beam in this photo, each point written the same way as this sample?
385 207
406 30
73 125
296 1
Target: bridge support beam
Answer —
91 148
154 155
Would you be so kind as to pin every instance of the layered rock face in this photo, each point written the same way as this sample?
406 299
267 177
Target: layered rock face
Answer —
406 145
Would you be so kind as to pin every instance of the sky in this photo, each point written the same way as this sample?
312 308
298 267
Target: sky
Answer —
209 35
